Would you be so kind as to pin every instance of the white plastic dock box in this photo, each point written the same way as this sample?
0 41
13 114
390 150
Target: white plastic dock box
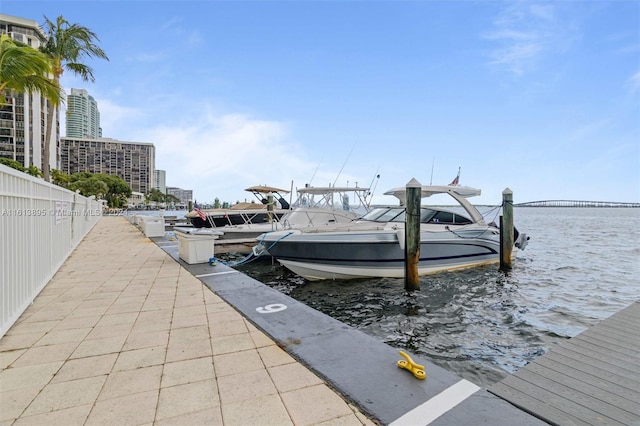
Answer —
195 245
153 226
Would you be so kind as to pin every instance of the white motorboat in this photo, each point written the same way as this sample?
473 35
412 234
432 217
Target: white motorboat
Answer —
317 207
373 245
243 213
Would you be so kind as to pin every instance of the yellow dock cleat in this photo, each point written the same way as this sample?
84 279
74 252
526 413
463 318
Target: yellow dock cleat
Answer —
408 364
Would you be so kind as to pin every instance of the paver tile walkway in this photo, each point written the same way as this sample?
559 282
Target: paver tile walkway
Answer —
124 335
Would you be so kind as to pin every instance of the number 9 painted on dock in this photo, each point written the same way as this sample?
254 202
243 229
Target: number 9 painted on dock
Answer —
269 309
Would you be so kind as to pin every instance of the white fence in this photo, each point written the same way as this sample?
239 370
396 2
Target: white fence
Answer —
40 225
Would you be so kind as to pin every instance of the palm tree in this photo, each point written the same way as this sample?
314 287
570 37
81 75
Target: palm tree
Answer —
67 45
24 69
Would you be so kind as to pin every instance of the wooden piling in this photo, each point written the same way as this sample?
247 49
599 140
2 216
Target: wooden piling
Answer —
412 235
506 230
270 207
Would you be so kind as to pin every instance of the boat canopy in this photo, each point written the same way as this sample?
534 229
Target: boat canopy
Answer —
429 190
263 189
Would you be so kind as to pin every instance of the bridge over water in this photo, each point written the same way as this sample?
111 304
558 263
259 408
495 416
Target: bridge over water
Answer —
575 203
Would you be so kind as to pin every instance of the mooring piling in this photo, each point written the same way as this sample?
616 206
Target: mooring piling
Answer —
506 230
412 235
270 208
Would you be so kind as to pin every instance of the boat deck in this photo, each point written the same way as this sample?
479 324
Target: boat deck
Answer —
592 378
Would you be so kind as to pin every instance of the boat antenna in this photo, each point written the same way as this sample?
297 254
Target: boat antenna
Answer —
376 178
314 172
344 164
432 164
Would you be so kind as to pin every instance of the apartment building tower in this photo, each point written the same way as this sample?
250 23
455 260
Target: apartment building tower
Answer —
132 161
83 116
161 181
184 195
24 116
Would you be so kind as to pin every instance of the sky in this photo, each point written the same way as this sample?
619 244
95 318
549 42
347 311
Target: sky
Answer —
541 97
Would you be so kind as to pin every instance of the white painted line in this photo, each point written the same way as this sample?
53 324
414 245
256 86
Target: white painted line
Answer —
216 273
438 405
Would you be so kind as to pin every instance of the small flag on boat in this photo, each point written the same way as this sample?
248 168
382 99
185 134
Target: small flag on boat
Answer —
456 180
200 212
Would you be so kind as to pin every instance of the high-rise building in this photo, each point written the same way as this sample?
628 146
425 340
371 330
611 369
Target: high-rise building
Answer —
83 117
161 181
24 116
184 195
132 161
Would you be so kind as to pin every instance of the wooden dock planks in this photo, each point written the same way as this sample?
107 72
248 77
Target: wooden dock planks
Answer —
591 379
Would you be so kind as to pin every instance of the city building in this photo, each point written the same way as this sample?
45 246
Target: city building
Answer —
184 195
83 117
24 116
161 181
132 161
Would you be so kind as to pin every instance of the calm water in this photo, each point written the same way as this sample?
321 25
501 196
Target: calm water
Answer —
581 265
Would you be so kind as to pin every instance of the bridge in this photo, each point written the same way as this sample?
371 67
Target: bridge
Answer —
575 203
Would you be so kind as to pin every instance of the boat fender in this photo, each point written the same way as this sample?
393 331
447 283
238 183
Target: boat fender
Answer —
408 364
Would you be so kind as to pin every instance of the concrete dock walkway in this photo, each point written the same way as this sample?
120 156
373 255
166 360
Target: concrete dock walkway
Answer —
123 334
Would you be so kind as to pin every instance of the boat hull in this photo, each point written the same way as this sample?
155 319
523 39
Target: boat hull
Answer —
381 254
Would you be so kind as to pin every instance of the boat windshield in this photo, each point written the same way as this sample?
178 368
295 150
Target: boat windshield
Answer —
385 214
427 215
442 216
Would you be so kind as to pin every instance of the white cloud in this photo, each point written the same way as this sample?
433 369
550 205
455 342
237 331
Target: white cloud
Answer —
218 155
509 34
116 119
524 32
516 57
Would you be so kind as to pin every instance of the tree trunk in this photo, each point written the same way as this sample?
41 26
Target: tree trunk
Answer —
52 108
46 169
